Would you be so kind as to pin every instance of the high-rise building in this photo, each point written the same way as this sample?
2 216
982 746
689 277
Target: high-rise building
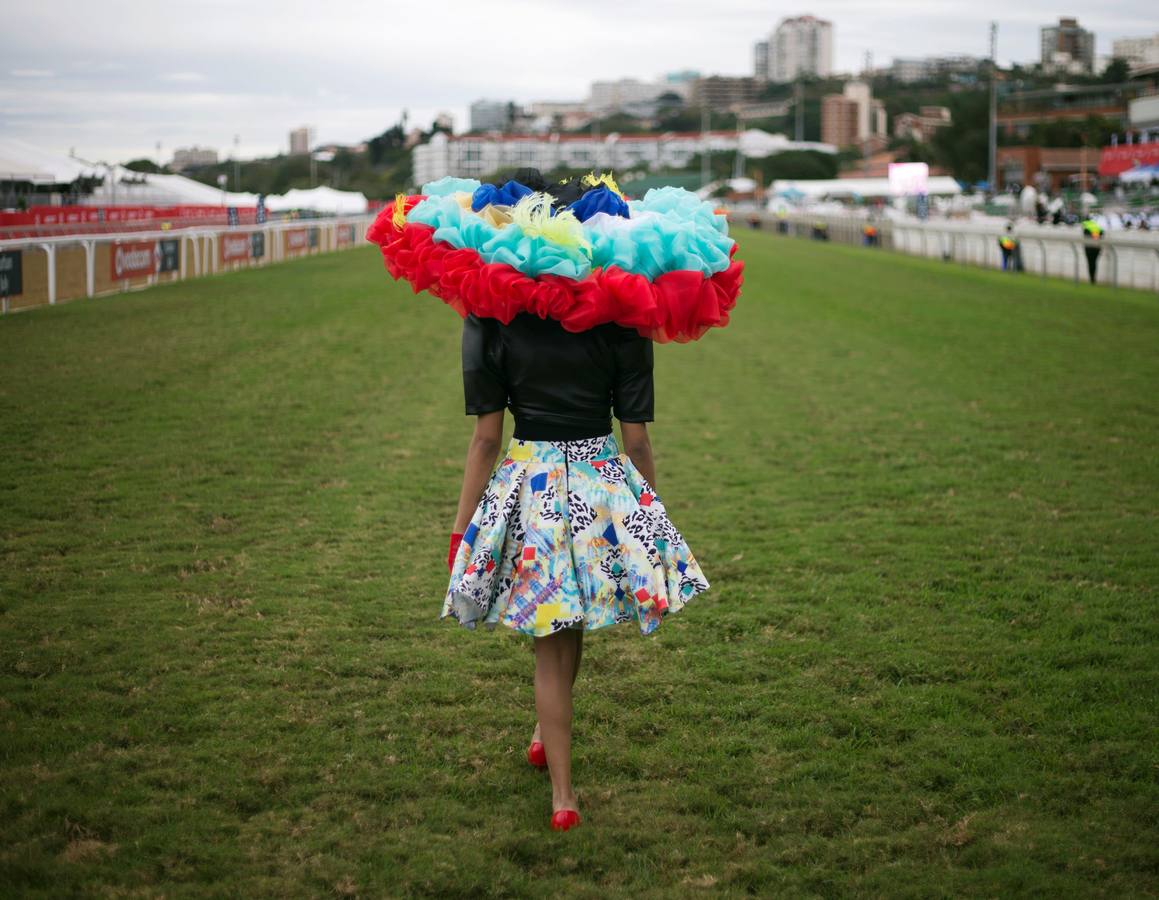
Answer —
761 60
300 141
1066 47
1137 51
802 45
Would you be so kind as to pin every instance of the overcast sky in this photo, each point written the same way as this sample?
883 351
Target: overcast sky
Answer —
115 78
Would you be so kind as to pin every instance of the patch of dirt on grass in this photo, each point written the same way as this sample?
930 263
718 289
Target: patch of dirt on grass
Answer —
86 849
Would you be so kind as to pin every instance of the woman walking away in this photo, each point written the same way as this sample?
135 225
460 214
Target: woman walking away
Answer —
567 533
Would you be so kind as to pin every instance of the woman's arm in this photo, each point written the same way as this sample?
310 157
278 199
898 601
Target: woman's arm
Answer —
481 455
639 449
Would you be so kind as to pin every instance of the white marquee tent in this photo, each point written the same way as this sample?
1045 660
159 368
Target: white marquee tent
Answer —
867 188
23 162
124 187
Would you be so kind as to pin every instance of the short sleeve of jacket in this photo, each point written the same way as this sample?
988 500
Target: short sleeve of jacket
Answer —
633 397
483 386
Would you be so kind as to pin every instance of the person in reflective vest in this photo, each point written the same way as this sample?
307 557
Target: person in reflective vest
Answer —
869 234
1011 251
1092 236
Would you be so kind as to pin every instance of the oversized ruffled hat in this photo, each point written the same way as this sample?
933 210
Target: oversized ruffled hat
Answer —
576 251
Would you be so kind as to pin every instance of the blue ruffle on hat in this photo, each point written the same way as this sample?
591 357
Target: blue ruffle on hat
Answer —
600 199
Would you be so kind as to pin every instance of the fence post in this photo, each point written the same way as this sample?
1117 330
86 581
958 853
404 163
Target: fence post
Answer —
90 267
50 250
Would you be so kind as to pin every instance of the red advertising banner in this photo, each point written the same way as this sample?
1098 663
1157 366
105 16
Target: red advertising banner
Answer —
297 239
1117 160
133 260
234 247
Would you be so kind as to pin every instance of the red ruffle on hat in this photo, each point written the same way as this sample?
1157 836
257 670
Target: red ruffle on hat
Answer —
677 306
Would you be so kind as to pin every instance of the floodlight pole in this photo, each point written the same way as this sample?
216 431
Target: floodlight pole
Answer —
799 112
992 173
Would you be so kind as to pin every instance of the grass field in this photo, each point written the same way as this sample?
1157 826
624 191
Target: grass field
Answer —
926 498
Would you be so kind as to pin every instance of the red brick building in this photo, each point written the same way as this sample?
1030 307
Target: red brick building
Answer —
1063 166
839 120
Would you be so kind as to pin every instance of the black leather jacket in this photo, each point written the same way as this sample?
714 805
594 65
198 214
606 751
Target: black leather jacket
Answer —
560 386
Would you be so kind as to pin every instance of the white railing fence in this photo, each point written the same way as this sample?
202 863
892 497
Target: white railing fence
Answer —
1126 259
47 270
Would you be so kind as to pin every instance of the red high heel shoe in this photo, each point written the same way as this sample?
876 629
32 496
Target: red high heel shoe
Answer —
564 819
537 755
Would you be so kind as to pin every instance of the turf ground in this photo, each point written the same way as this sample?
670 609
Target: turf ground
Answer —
926 498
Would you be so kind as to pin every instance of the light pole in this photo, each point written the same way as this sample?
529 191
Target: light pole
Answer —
236 163
992 173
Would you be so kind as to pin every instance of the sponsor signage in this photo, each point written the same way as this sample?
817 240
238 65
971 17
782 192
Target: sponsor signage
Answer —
313 235
908 179
234 247
258 244
1117 160
133 260
345 234
168 255
296 239
11 273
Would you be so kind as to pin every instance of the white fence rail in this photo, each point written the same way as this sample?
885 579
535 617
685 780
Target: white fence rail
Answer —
1126 259
45 270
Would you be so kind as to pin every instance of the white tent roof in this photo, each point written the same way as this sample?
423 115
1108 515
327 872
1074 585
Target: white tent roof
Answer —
165 190
936 186
320 199
1140 174
123 187
23 162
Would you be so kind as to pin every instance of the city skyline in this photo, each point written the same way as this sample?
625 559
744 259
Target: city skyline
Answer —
129 79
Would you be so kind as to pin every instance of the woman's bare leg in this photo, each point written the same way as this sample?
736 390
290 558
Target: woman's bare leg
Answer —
555 668
579 652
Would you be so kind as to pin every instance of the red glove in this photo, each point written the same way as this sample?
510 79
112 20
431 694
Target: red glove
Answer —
456 539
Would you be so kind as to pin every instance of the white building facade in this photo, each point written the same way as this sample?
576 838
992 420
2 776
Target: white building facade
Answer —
478 156
1137 51
612 96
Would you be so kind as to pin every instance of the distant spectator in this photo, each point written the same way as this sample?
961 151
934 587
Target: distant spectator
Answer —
869 235
1092 232
1011 249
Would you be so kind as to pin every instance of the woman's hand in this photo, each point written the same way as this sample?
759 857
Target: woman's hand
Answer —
481 455
639 449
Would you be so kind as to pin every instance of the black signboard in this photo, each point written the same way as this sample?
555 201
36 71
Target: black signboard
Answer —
258 244
260 216
11 273
312 233
231 215
169 255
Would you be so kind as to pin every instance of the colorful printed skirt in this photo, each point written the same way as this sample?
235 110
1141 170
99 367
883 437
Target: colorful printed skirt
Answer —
568 534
